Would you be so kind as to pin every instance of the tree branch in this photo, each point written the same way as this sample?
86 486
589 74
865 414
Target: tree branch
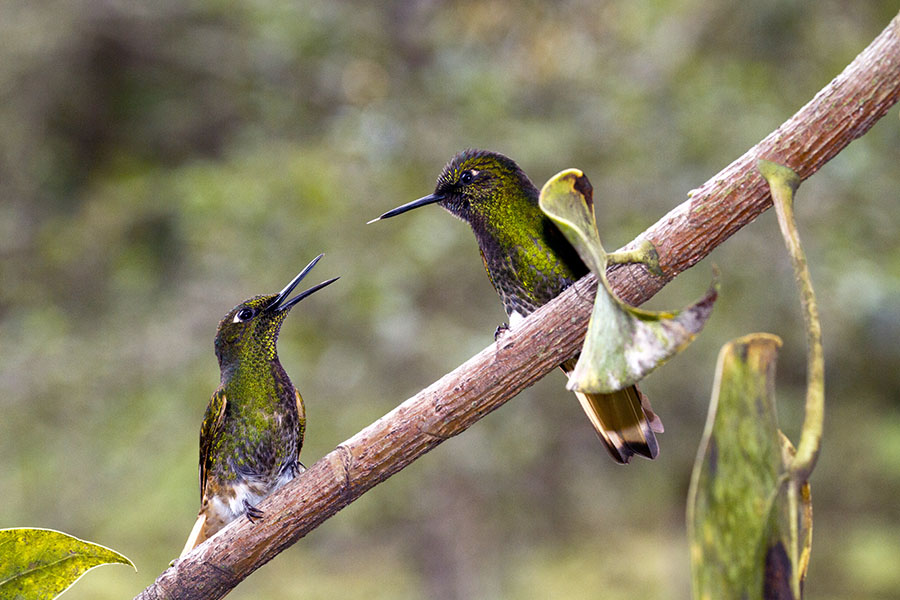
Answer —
841 112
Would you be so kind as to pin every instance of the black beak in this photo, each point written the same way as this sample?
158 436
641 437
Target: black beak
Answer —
430 199
277 305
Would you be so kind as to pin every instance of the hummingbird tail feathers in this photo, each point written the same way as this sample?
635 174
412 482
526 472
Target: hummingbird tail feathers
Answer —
198 534
624 422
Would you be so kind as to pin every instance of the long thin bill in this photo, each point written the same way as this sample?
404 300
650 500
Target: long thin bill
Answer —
429 199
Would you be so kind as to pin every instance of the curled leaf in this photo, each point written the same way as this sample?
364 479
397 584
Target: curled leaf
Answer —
749 524
40 564
623 343
736 474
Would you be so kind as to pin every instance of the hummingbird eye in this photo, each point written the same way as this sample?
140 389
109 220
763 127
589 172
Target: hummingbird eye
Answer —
244 314
467 177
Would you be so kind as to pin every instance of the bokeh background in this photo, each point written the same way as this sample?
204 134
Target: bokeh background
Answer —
160 162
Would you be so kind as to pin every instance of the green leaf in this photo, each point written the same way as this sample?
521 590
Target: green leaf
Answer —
734 512
39 564
623 343
567 199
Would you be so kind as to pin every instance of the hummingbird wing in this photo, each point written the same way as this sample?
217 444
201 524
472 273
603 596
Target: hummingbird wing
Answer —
301 420
624 421
209 431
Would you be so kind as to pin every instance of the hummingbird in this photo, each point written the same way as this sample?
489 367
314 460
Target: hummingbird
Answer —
253 429
530 262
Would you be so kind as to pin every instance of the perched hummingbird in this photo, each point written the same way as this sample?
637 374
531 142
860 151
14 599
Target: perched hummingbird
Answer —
253 429
530 262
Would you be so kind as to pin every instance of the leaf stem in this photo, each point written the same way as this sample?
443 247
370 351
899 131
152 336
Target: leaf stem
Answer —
783 182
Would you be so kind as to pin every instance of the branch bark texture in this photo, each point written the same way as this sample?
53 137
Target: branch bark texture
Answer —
840 113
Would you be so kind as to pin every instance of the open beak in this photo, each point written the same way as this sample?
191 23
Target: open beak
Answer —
430 199
277 305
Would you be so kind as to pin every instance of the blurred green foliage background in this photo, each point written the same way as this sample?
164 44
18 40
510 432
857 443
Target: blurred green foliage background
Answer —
160 162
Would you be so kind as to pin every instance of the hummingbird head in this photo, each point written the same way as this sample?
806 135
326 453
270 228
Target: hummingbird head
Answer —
250 330
480 187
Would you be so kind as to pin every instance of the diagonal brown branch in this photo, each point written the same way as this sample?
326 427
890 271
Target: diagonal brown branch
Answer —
841 112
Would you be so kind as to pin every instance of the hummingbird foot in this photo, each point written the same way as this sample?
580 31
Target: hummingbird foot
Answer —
253 513
502 328
644 254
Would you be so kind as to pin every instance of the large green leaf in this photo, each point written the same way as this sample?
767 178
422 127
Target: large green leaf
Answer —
623 343
735 480
40 564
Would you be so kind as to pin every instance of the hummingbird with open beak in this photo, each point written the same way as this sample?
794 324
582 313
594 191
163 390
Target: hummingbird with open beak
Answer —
253 429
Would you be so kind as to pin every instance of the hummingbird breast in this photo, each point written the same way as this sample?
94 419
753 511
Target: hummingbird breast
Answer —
527 257
258 455
526 275
255 450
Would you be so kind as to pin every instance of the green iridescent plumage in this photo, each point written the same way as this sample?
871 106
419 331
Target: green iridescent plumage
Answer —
252 432
527 258
530 262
